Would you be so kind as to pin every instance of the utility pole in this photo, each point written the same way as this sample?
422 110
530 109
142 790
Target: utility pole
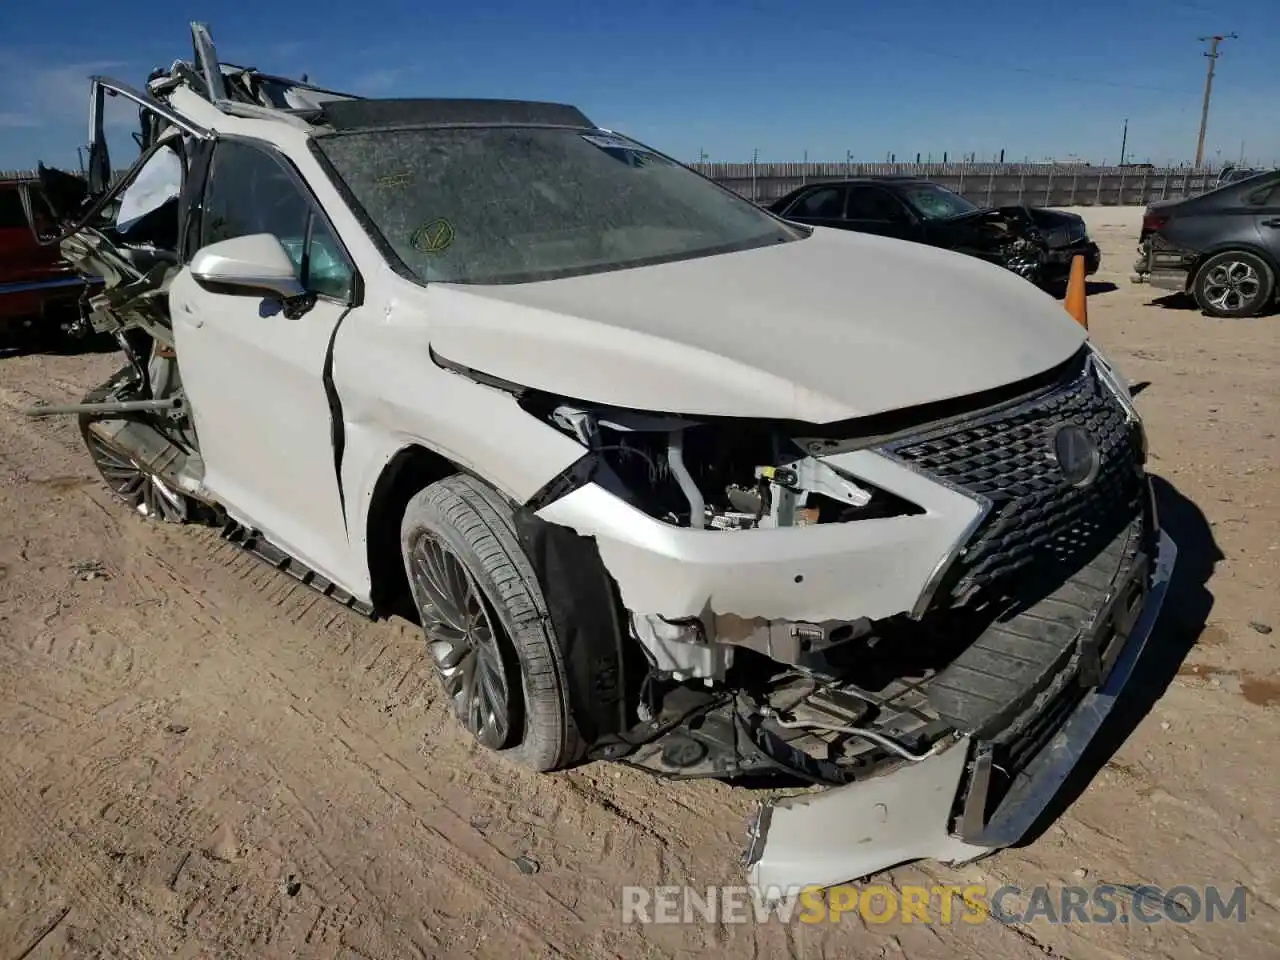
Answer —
1213 56
1124 140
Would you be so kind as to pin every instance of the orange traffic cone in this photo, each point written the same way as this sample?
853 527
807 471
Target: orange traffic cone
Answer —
1077 299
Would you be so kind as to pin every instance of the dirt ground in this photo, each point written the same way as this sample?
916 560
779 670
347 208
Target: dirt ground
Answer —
203 759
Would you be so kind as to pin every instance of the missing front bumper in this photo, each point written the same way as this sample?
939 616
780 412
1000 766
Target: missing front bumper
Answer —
937 808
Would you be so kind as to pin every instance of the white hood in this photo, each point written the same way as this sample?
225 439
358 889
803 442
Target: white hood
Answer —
835 326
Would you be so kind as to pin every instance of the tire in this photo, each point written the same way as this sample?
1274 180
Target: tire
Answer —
461 521
1233 284
143 492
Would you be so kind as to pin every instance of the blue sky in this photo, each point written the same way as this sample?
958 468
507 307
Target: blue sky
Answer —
727 78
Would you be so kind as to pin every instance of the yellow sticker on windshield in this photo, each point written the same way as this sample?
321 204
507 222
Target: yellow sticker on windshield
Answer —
434 237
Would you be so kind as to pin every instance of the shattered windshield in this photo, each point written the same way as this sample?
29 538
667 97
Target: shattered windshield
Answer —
933 202
506 204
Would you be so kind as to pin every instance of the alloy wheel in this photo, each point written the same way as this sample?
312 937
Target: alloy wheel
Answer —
1232 285
462 640
147 494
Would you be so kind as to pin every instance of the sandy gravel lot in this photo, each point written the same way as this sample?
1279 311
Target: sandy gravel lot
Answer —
202 759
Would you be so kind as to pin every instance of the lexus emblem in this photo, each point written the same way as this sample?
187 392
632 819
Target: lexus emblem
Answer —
1077 455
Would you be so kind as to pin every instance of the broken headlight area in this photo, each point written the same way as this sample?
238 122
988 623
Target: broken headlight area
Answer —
1007 236
723 475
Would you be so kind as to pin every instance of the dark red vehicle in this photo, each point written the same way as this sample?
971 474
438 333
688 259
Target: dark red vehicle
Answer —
39 290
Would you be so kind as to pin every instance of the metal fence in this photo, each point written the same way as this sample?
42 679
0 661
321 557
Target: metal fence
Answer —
986 184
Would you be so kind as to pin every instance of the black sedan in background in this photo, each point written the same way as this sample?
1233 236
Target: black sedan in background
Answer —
1034 242
1222 247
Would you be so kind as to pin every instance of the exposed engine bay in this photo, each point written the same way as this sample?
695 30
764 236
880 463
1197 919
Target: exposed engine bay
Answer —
828 701
719 476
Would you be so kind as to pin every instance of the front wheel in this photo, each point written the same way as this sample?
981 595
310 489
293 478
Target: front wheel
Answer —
486 623
1233 284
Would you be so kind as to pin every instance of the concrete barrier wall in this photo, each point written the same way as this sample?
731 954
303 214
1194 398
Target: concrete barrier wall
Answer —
986 184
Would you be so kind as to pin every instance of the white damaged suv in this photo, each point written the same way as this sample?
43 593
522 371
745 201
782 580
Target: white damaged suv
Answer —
666 480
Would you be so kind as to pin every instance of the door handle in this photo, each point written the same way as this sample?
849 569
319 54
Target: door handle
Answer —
1273 222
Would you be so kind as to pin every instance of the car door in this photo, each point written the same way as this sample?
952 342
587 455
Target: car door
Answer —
256 378
1267 220
822 206
872 209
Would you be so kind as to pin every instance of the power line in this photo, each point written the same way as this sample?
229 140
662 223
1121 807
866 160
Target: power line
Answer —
1213 55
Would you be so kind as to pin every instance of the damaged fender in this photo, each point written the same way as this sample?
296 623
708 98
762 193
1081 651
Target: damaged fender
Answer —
412 398
837 571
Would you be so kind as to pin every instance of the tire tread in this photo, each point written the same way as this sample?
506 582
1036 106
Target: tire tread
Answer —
484 536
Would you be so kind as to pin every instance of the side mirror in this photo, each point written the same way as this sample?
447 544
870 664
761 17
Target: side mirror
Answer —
252 266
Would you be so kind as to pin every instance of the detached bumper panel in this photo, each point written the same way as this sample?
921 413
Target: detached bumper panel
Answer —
937 808
1039 781
827 838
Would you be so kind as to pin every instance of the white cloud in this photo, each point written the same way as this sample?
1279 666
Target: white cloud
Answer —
49 104
47 94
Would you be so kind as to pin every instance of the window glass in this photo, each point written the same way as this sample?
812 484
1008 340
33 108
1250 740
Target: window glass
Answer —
933 202
872 203
327 270
827 203
249 192
42 216
504 204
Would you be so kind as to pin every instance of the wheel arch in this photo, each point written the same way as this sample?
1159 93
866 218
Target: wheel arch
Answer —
410 469
584 606
1233 246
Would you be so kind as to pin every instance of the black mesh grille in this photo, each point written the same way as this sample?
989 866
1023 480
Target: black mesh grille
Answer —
1008 458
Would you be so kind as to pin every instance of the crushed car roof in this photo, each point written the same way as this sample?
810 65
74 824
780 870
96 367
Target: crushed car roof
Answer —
345 115
246 92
